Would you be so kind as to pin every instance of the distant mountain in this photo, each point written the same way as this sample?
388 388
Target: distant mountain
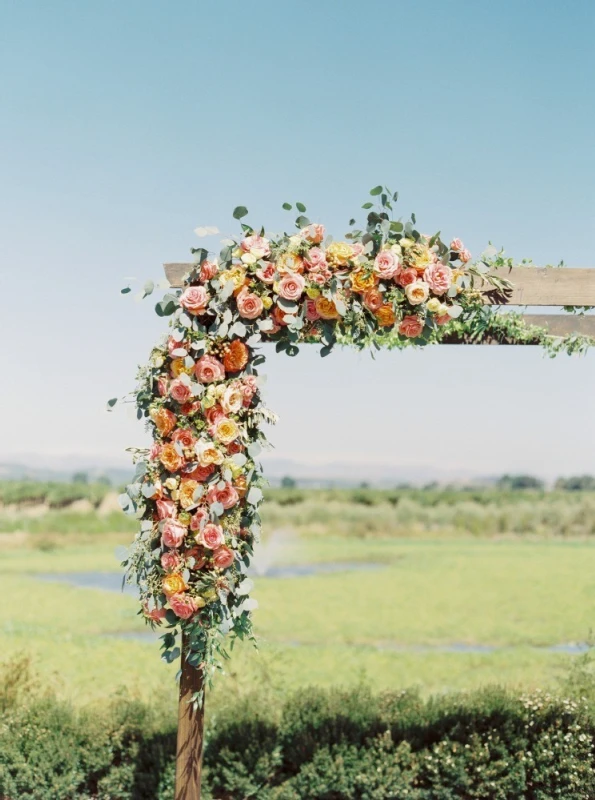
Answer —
62 468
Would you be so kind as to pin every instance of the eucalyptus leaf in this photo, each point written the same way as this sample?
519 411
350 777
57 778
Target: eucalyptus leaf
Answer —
239 212
254 496
376 191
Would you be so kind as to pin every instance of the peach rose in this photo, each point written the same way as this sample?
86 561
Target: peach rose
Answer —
194 299
211 536
313 233
417 292
199 519
208 270
386 316
227 496
291 286
166 509
411 326
162 386
183 605
457 245
173 533
223 557
207 454
316 260
386 264
209 369
311 313
236 356
186 492
438 277
373 299
241 484
267 273
320 278
156 615
164 419
170 458
465 256
249 304
171 561
326 308
407 276
184 436
180 391
257 245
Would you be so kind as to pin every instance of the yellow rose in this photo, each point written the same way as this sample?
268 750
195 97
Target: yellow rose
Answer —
362 281
237 275
433 305
326 308
178 367
172 584
186 493
338 254
420 257
199 601
267 302
226 430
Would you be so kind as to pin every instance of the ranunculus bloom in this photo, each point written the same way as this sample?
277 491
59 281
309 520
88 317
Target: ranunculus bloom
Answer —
316 259
173 533
209 369
417 292
266 274
208 270
211 536
236 356
386 264
373 299
291 286
386 316
184 436
180 391
186 492
406 276
313 233
223 557
226 430
166 509
257 245
194 299
311 313
249 305
183 605
170 560
164 419
438 277
411 326
199 519
227 496
326 308
170 458
457 245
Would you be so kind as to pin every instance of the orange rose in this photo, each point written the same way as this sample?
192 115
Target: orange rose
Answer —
326 308
170 458
241 484
362 281
236 356
373 300
172 584
386 316
164 420
186 493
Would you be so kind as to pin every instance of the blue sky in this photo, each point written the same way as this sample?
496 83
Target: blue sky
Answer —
128 124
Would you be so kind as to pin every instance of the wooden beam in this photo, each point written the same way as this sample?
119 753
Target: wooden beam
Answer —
190 734
532 286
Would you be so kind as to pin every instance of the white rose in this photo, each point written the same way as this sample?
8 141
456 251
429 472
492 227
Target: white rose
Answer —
417 292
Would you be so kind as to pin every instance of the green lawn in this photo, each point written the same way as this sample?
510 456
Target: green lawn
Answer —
325 629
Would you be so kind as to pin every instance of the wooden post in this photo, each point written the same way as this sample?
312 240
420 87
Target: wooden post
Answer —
190 734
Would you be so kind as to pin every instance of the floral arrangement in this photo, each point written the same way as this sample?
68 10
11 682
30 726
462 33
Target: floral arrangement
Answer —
197 491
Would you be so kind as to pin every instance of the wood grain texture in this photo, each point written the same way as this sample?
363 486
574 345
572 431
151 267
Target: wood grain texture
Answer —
190 735
532 286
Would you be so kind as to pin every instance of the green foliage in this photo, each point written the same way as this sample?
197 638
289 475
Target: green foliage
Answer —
576 483
52 493
519 482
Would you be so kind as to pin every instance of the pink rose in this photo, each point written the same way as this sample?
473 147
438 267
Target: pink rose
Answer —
407 276
386 264
257 245
291 286
411 326
208 270
457 245
373 300
439 277
358 250
156 615
166 509
311 314
443 319
170 560
183 605
194 299
223 557
316 260
180 391
211 536
249 305
465 256
228 496
320 278
185 437
154 451
209 369
199 518
173 345
313 233
173 534
162 385
267 273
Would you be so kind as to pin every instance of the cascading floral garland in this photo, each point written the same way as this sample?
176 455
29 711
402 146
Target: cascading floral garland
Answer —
197 491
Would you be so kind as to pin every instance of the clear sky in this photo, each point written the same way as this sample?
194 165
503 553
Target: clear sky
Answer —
127 124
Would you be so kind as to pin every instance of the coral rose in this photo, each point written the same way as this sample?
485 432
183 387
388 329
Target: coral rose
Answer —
208 270
180 391
411 326
209 369
166 509
173 533
171 561
211 536
373 299
386 316
199 519
184 606
443 319
186 493
223 557
386 264
184 436
249 305
438 277
164 419
236 356
201 473
291 286
162 386
170 458
227 496
198 554
194 299
326 309
313 233
417 292
267 273
407 276
156 615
